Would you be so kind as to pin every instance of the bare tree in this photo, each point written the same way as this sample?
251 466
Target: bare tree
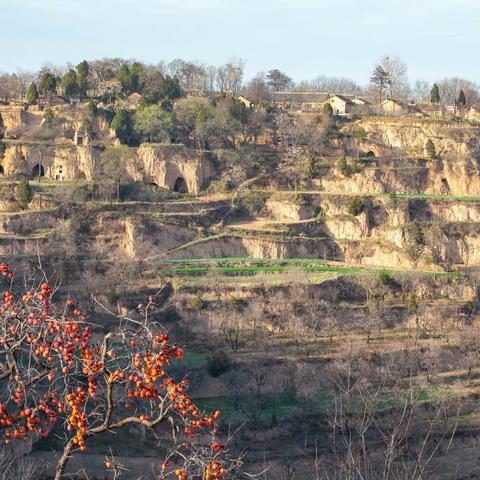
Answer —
402 440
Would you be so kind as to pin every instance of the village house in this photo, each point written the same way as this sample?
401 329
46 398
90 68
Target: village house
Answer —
473 115
342 104
393 106
249 104
299 101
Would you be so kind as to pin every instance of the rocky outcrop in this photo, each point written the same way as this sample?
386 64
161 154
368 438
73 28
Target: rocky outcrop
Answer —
173 166
58 162
289 210
449 176
347 226
411 135
169 166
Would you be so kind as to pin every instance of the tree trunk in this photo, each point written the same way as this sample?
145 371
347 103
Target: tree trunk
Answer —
62 462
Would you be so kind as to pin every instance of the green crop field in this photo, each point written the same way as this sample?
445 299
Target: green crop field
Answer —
249 266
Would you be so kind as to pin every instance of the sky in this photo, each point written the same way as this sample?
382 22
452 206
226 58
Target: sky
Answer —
304 38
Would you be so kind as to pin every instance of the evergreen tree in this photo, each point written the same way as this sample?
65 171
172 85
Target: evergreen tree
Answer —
83 71
462 101
171 88
122 125
136 72
48 84
48 117
435 94
92 109
380 80
124 76
24 193
278 80
32 94
69 83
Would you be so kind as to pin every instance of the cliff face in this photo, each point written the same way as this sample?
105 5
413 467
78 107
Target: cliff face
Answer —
454 176
164 165
409 135
59 162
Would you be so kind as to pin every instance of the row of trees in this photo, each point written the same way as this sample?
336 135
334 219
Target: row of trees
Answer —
117 76
109 78
204 123
390 79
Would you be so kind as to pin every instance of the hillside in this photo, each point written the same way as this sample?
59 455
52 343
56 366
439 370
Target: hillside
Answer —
324 274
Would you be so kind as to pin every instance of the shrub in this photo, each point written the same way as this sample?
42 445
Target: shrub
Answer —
416 240
346 169
198 302
430 149
361 133
92 109
356 206
24 193
327 109
48 117
384 277
393 199
218 363
411 303
416 233
356 167
343 166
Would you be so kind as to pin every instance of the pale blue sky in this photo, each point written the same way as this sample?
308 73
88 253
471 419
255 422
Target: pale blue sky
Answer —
305 38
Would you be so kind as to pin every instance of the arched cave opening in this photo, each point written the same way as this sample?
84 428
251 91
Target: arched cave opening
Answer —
180 185
38 171
2 171
370 154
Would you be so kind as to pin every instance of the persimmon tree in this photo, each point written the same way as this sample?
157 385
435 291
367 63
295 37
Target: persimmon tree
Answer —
58 371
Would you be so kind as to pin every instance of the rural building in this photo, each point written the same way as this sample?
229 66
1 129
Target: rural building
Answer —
246 101
314 101
299 101
391 105
473 115
396 106
341 105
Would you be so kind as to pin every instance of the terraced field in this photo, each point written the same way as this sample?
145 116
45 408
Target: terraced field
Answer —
248 266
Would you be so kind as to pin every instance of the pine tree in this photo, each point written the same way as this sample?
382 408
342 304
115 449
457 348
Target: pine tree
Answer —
83 71
435 94
69 83
122 125
32 94
92 109
24 193
124 76
462 101
48 84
